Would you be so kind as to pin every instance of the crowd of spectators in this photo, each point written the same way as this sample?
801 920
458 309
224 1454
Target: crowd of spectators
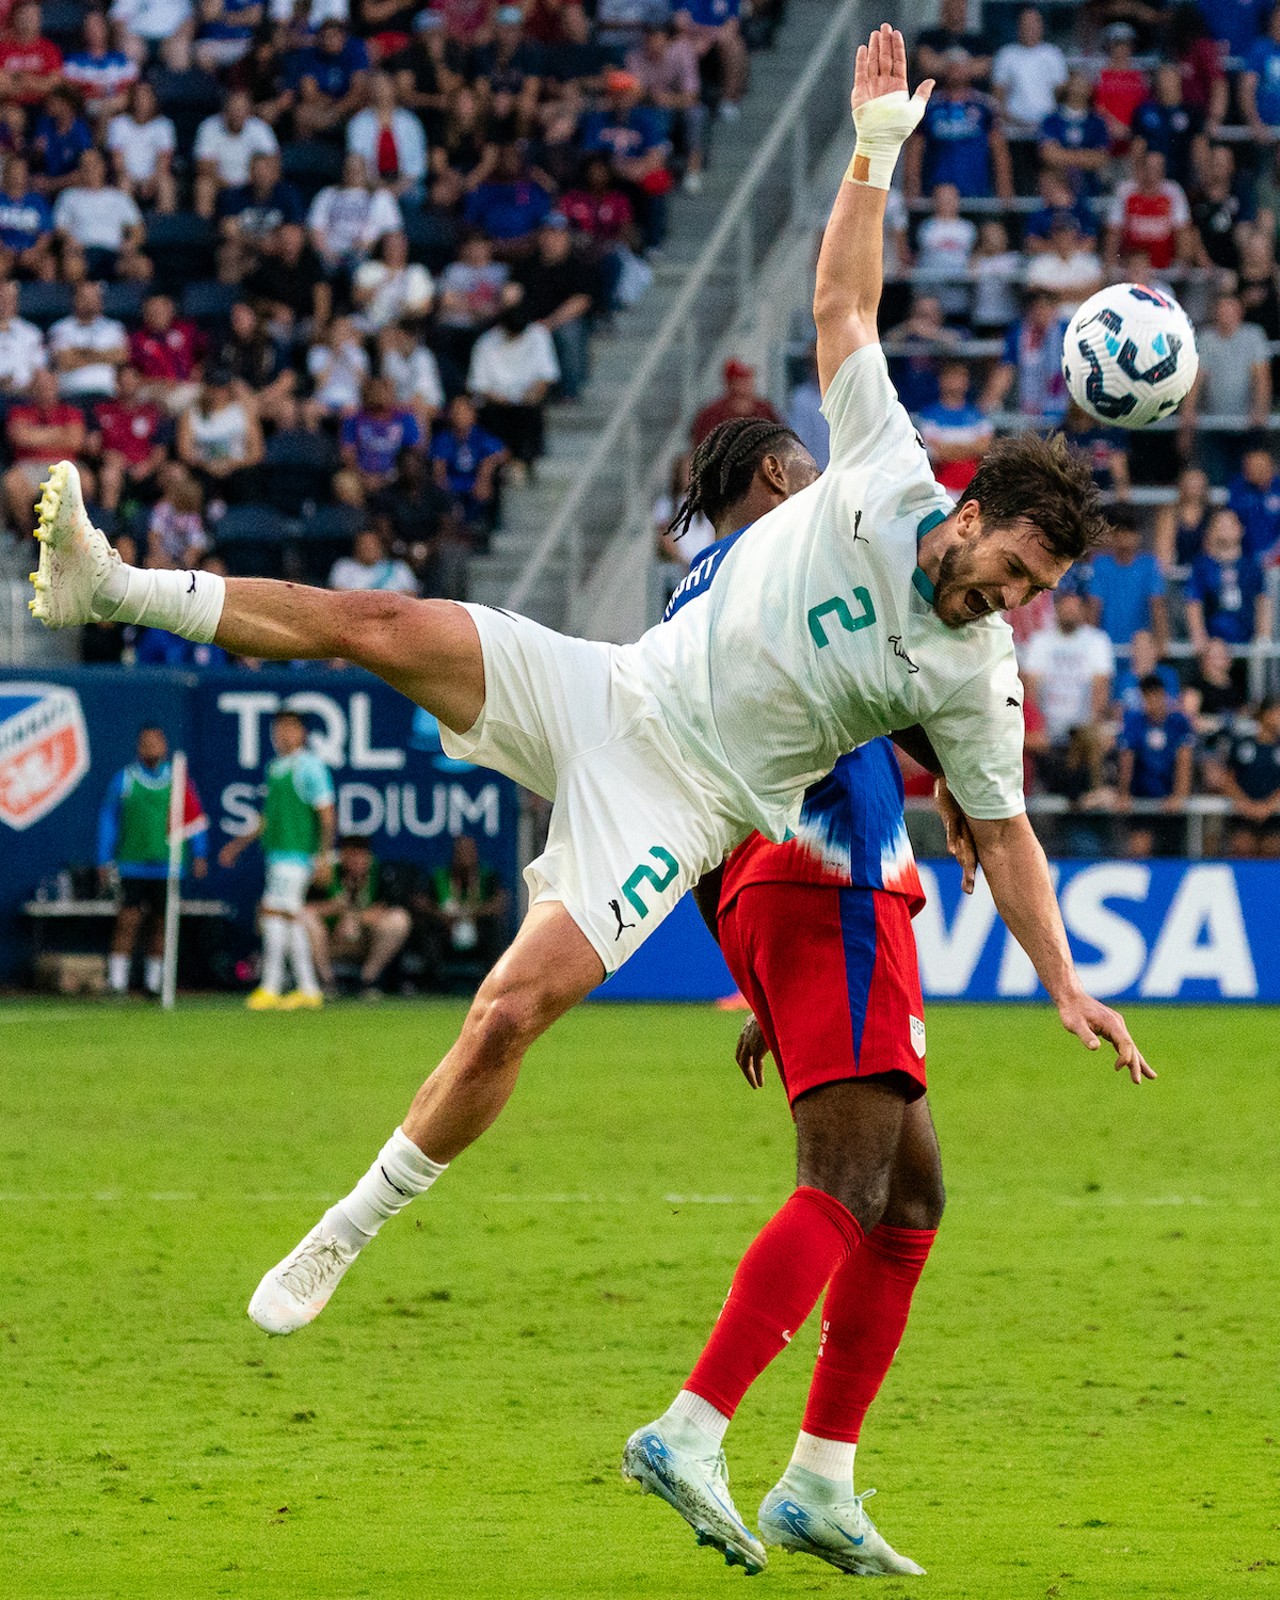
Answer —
1140 141
294 281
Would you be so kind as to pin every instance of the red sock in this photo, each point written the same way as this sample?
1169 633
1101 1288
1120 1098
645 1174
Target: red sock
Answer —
862 1325
776 1286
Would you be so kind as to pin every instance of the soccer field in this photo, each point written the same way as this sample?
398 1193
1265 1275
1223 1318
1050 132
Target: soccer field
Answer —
1085 1403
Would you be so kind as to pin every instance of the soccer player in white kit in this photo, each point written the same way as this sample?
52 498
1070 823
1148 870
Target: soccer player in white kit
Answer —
863 604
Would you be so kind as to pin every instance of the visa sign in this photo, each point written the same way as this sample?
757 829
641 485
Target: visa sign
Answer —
1141 930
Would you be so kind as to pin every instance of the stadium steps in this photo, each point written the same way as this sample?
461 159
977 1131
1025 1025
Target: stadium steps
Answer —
573 429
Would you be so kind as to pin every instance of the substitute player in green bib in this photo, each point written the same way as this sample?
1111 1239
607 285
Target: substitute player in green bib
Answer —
297 833
133 842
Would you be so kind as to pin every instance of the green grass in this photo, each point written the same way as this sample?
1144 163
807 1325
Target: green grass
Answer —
1085 1403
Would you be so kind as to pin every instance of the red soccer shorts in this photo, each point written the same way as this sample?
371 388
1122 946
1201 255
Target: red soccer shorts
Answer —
833 979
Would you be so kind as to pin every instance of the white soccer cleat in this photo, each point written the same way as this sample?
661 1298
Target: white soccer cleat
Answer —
666 1459
298 1288
74 556
798 1515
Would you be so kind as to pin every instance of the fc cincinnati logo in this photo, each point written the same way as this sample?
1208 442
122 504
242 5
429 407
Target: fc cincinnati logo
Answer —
44 749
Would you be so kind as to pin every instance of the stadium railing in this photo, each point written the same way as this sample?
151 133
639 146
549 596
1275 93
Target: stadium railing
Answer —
671 379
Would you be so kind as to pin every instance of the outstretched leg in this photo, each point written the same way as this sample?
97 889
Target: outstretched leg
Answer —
547 970
427 649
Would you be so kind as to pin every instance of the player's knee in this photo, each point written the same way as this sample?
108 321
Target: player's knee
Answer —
921 1209
504 1021
397 921
864 1193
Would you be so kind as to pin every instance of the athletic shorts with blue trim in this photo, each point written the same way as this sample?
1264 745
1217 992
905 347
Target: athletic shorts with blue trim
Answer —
833 978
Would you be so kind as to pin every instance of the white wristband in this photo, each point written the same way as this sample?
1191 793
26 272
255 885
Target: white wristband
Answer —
884 125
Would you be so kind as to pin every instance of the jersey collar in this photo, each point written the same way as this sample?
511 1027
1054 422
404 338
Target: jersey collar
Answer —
920 580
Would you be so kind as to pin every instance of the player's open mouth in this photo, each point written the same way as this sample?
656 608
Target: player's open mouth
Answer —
976 603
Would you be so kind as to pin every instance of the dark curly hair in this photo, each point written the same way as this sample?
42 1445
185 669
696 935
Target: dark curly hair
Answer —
724 464
1046 482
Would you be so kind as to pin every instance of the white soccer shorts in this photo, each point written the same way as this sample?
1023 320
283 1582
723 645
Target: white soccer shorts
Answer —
287 884
632 827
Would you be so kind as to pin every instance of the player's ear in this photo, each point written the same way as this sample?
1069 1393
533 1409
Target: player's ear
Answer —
968 520
774 473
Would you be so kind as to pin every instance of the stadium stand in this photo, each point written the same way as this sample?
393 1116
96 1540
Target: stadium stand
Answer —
263 248
282 274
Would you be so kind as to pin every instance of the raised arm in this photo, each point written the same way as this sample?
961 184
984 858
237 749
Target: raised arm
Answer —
851 262
1018 873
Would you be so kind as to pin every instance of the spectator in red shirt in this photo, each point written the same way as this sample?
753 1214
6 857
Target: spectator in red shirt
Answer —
556 22
470 22
30 65
738 400
1149 216
39 432
167 350
1200 59
128 440
599 208
1121 87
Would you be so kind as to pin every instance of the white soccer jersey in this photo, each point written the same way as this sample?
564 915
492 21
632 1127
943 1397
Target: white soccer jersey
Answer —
818 634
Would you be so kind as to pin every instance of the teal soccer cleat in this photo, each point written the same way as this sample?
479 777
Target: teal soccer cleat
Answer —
671 1459
799 1514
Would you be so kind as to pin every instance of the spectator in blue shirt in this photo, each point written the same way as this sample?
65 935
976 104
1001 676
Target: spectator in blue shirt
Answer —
1235 23
61 137
1128 587
716 25
466 459
915 372
636 139
26 226
1254 496
328 80
1260 83
959 141
1105 448
1074 138
511 206
1248 773
156 648
1156 746
1143 662
1057 200
374 437
1168 124
1226 595
1032 360
250 216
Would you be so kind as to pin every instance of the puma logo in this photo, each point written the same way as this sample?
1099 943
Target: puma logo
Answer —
1016 704
616 907
191 587
895 639
857 523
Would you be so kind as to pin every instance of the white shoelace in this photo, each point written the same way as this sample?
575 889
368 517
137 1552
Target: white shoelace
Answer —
314 1266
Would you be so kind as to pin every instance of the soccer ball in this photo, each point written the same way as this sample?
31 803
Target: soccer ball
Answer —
1129 355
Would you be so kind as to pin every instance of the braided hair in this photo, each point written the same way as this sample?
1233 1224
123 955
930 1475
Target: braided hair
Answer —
723 466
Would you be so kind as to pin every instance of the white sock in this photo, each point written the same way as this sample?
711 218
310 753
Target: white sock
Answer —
118 973
400 1172
825 1458
275 939
152 972
304 969
690 1407
186 603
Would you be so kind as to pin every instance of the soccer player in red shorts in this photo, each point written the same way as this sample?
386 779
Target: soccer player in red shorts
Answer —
817 934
